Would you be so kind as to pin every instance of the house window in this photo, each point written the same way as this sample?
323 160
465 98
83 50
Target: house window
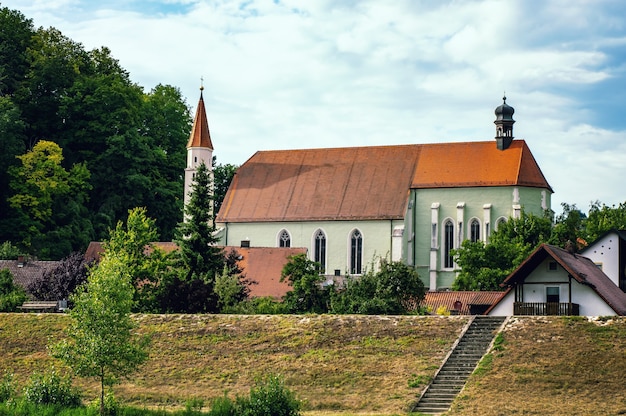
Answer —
319 251
552 294
552 267
448 237
474 230
356 252
284 239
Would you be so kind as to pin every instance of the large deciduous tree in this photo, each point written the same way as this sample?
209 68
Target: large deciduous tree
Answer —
222 177
51 201
603 218
485 266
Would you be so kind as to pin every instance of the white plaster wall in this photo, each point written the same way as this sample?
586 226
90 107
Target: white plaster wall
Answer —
377 238
590 303
605 251
505 306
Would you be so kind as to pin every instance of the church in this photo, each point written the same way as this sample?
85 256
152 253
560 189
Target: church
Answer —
350 206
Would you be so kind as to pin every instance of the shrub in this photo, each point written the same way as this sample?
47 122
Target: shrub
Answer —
50 388
7 389
223 406
11 295
270 397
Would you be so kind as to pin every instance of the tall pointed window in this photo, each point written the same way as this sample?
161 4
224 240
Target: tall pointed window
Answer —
448 238
284 239
474 230
356 252
319 250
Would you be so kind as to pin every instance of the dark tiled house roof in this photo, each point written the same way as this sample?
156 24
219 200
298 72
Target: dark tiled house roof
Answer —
582 269
25 272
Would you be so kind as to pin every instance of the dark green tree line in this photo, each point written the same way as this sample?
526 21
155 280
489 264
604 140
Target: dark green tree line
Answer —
131 142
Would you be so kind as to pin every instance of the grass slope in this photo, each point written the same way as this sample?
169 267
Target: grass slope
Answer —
342 364
348 365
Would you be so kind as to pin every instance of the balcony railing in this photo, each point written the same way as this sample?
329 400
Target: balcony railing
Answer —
548 308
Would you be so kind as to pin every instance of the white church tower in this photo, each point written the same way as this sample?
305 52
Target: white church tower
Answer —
199 147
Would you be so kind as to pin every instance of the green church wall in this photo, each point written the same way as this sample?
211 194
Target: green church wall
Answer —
500 199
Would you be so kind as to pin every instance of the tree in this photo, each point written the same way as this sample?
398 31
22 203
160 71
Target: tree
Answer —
101 340
147 265
394 289
307 293
199 259
222 177
485 266
11 295
62 281
603 218
166 124
15 37
11 145
568 228
50 200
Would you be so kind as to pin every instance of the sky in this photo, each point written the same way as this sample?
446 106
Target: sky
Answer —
340 73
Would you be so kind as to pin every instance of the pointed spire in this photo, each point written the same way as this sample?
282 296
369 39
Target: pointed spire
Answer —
200 136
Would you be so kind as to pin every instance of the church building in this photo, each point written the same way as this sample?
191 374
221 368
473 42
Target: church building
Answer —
350 206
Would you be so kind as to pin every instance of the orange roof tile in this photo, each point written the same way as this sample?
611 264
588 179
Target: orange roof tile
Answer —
264 265
200 136
434 300
339 183
448 165
367 182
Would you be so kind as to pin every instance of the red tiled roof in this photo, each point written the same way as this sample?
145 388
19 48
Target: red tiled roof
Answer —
434 300
95 249
367 182
470 164
200 136
264 265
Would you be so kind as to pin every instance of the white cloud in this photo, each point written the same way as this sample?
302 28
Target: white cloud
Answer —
291 74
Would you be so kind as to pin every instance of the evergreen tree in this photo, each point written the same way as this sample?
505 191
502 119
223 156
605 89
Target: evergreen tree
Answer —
199 258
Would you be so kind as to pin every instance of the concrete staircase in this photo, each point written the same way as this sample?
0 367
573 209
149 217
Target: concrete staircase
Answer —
461 362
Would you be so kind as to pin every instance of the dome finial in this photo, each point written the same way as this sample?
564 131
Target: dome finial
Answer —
201 83
504 96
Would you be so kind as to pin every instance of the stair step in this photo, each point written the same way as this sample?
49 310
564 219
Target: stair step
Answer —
461 362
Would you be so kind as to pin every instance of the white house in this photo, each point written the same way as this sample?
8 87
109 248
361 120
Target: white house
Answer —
553 281
608 252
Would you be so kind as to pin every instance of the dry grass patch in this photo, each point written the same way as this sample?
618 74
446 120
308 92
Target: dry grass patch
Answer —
571 366
338 364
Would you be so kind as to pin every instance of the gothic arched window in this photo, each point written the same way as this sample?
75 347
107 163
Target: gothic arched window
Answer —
356 252
319 249
448 238
474 230
284 239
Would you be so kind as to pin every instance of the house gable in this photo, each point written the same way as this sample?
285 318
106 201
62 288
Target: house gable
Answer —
588 283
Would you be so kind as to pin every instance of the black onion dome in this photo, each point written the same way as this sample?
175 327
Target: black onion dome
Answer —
504 111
